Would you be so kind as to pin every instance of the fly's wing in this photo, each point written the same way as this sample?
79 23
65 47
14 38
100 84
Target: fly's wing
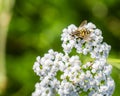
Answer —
83 23
87 38
75 33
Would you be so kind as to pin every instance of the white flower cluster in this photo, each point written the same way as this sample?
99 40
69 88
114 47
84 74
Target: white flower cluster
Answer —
64 75
94 45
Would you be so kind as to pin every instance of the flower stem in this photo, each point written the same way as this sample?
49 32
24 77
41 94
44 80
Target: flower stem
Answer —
5 16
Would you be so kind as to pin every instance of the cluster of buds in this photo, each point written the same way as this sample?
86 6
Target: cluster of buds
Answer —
64 75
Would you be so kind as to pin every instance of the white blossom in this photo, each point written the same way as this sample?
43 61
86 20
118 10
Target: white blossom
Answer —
66 75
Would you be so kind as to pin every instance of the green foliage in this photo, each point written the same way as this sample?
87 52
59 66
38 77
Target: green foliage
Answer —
36 26
59 73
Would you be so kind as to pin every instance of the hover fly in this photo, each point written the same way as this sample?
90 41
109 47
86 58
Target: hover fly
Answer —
82 32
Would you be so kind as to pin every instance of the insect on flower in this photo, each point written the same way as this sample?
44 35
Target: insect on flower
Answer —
82 32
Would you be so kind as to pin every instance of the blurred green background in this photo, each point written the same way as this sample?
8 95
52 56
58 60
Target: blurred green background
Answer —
36 26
